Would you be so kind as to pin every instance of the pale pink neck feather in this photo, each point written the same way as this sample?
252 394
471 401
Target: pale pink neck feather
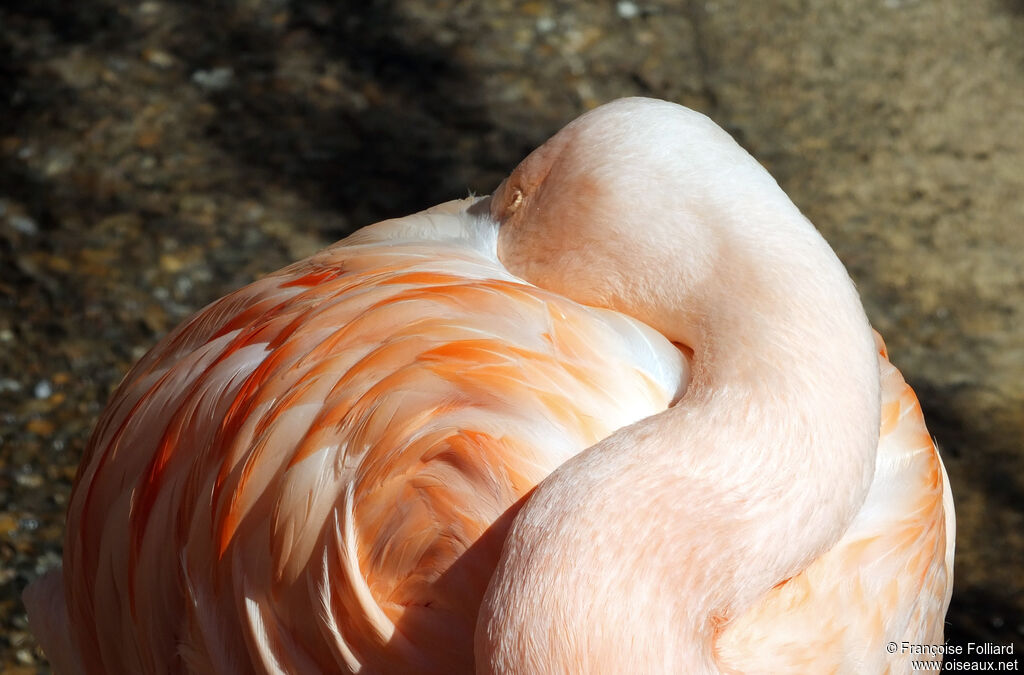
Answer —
637 548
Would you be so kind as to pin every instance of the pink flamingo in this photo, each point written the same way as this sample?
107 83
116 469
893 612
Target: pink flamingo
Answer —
625 415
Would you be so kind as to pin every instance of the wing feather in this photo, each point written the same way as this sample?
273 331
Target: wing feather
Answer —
318 469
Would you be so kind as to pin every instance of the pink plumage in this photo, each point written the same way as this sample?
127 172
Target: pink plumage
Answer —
319 472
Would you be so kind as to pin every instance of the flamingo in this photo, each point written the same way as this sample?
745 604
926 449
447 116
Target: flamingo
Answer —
627 414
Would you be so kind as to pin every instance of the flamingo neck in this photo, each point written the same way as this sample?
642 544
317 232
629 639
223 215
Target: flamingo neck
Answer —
628 556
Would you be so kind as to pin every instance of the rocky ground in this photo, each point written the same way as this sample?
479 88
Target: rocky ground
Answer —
154 155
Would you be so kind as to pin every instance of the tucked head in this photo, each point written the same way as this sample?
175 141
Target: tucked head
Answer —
625 193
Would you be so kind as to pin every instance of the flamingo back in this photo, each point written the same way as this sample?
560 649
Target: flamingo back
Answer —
315 473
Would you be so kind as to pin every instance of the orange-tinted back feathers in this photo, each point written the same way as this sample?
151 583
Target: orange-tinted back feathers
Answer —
290 476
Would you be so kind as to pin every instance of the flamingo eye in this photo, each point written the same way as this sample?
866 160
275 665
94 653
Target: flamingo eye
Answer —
517 199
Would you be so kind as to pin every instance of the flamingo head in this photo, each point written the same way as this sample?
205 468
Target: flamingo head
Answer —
622 209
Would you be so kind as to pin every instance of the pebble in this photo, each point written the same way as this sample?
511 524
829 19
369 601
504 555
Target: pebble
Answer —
158 58
627 9
29 480
546 24
24 224
40 427
214 79
8 522
43 389
9 384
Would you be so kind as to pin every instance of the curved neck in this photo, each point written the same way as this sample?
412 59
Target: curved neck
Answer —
683 519
777 434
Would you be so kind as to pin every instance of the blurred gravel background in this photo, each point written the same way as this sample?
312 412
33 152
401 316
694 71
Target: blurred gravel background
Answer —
155 155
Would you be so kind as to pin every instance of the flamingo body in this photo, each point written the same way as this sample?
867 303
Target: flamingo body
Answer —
330 441
318 473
